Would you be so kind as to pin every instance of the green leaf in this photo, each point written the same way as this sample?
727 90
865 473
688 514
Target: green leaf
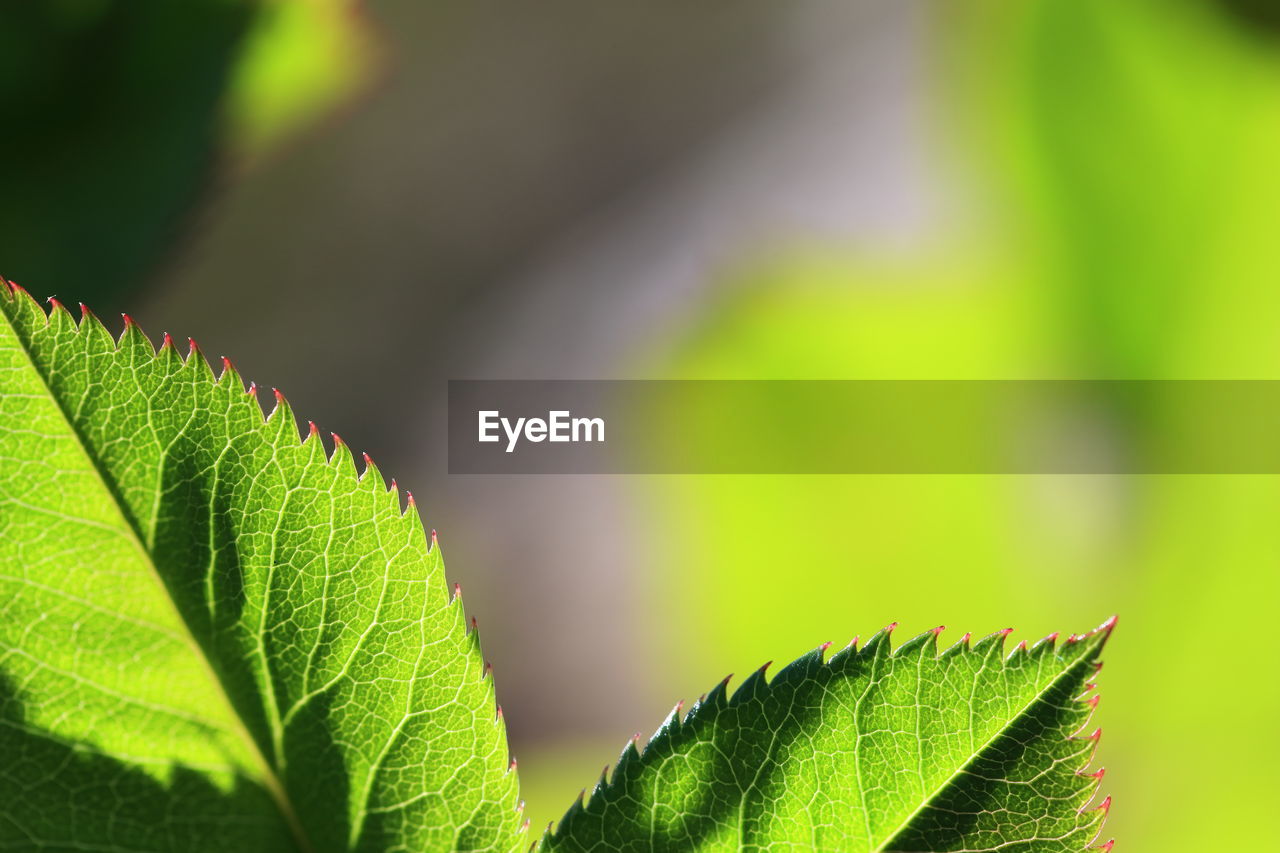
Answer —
912 751
214 636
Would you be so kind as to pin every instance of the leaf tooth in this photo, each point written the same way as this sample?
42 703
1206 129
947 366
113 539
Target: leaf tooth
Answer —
670 725
371 477
471 639
1103 810
92 328
313 442
717 697
25 301
603 781
134 343
229 374
195 361
341 457
957 648
992 644
1045 645
923 644
282 418
251 394
1097 776
754 686
879 644
393 489
803 667
167 355
9 289
1098 635
845 655
60 319
574 811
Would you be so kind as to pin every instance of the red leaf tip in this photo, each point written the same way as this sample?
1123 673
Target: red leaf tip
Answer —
312 429
938 631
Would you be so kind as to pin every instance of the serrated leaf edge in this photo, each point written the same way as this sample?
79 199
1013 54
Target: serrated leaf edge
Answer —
718 699
281 416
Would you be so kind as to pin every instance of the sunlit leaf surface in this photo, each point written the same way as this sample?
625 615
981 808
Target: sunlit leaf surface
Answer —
215 635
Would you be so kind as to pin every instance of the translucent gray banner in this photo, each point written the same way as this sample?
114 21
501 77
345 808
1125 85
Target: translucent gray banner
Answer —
864 427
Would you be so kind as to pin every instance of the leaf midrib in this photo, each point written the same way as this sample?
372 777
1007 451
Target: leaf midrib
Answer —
269 778
884 847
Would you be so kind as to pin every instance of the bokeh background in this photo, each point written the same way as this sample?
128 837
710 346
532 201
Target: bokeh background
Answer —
358 202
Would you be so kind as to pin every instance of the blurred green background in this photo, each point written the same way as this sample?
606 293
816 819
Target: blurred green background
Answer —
359 202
